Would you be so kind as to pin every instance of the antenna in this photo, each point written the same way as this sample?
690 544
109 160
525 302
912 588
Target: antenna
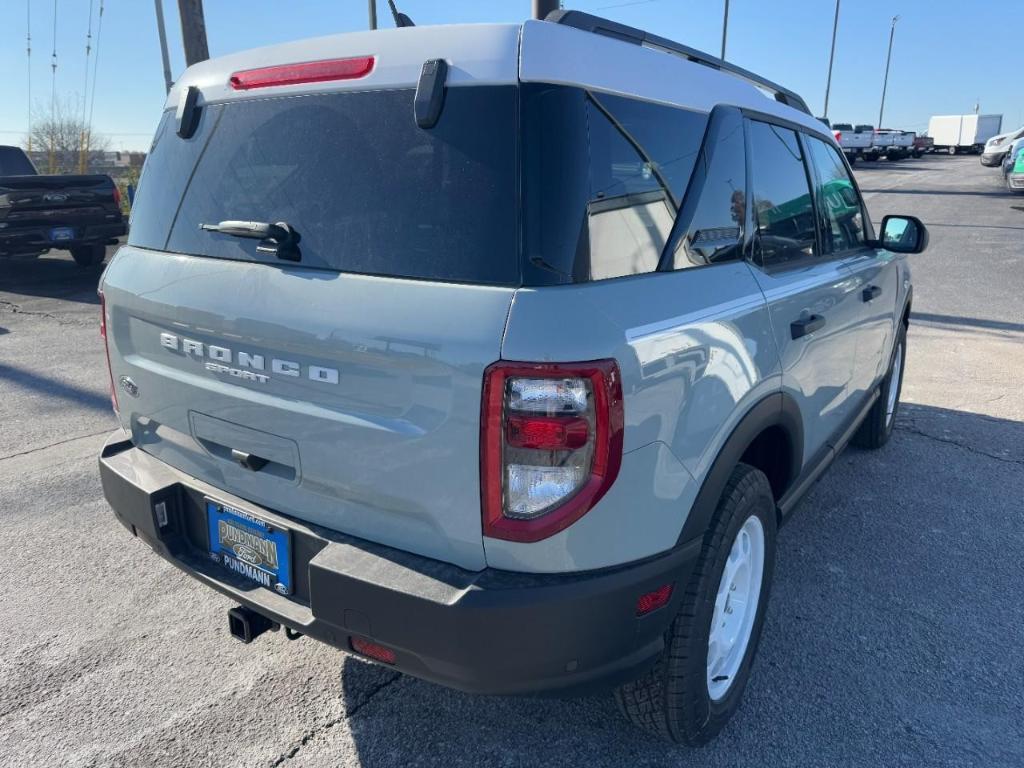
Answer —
401 20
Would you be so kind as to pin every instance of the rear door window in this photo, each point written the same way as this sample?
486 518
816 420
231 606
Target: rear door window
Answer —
783 207
367 190
14 162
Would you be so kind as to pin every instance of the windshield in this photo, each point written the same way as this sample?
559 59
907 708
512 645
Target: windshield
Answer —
366 189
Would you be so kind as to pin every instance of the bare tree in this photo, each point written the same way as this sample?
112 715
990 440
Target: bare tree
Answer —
62 137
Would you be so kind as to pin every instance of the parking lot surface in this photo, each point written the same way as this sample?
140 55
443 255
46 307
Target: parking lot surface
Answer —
894 634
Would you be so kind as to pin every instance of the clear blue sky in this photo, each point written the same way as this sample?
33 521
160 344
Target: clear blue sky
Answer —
947 55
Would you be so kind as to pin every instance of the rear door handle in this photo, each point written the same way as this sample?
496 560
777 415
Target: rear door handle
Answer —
806 325
871 292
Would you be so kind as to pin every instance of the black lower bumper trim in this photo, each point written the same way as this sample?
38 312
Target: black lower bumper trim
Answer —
489 631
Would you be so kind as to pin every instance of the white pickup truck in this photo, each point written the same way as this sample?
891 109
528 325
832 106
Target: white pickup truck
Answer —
897 144
854 142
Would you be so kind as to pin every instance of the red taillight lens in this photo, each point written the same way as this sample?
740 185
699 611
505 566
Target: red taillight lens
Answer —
839 135
558 433
106 350
117 197
551 445
372 650
652 601
305 72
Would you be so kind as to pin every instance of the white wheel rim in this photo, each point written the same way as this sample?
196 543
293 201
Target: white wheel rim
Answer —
894 385
739 594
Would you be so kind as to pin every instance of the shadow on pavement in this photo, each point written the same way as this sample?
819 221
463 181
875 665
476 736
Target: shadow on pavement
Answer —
46 388
970 322
883 608
51 276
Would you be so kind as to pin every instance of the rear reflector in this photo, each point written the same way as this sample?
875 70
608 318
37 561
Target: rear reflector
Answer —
652 601
372 650
306 72
546 433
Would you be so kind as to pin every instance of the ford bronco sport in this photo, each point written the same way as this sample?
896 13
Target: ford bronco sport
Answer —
497 353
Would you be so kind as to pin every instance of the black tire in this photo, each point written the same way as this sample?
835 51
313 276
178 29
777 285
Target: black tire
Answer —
953 150
672 699
88 255
876 429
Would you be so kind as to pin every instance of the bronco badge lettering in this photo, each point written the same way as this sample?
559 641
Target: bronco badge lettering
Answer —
249 364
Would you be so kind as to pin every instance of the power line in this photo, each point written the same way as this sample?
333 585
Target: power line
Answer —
95 67
82 147
28 49
53 91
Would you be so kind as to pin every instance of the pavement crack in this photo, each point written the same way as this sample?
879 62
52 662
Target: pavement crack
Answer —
346 715
52 445
914 430
17 309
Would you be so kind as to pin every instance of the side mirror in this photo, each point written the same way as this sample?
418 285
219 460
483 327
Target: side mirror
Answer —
903 234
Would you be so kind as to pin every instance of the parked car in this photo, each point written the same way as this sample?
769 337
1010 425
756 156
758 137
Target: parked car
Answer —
963 133
1013 166
80 214
882 141
854 143
474 351
996 147
894 144
923 144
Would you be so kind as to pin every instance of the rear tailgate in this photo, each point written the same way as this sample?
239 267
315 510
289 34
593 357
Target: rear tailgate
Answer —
57 201
377 435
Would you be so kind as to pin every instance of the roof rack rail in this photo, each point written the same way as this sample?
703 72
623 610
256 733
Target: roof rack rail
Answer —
601 26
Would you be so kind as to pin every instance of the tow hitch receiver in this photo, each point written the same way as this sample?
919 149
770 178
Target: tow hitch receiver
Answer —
246 625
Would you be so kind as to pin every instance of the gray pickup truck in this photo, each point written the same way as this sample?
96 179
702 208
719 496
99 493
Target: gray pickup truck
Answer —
497 354
80 214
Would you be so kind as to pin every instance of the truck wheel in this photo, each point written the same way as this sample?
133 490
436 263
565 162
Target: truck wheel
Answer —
876 428
952 150
88 255
697 683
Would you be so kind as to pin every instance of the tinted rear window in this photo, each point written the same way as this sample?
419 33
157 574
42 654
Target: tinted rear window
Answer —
14 163
367 190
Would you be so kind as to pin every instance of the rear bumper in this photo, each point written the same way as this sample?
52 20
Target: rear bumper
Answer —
36 239
494 632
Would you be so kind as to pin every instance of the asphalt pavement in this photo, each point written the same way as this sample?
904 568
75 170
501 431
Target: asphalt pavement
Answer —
895 634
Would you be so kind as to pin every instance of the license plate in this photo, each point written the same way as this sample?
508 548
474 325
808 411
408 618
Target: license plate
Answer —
62 233
250 547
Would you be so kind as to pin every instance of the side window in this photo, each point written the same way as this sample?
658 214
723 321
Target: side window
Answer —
715 231
838 201
783 210
641 159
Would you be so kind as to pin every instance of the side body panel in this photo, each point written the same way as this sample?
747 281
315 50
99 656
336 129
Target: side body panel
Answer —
696 352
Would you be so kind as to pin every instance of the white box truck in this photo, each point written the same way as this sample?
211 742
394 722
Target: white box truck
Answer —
963 133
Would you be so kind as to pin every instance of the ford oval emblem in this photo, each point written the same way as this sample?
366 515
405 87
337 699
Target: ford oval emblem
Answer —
129 386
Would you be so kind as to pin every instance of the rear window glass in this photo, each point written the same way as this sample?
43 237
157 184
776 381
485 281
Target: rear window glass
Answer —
366 189
13 162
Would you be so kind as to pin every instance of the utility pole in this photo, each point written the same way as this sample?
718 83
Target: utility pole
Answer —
163 43
725 28
888 59
193 31
541 8
373 14
831 58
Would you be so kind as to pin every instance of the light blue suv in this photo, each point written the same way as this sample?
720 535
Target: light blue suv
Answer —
497 353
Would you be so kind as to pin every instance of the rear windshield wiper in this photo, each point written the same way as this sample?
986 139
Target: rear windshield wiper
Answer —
280 239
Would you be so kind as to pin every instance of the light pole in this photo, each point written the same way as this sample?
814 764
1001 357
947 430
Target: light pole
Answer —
162 32
888 59
373 14
725 28
541 8
831 58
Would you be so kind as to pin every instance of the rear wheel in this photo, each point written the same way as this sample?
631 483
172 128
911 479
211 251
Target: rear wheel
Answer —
952 150
697 683
88 255
877 427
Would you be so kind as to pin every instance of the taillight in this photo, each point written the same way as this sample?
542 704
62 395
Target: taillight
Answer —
305 72
839 136
551 444
106 350
117 197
